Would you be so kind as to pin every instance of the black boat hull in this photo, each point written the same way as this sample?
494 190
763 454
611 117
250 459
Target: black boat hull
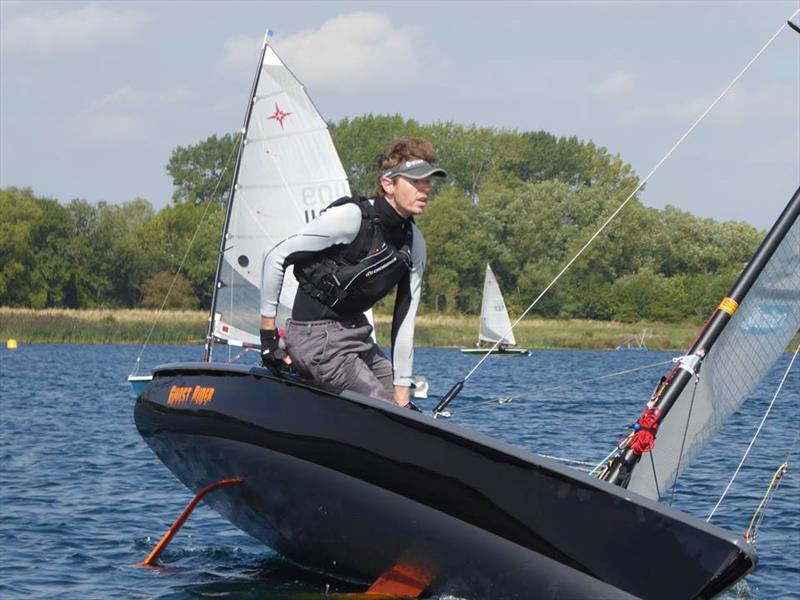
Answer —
352 486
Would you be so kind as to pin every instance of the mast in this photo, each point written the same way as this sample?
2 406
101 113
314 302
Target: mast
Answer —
207 354
620 468
483 304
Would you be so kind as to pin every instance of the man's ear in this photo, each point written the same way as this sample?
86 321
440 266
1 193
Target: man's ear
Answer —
388 185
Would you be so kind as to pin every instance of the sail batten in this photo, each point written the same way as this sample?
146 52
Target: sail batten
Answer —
264 186
259 98
281 136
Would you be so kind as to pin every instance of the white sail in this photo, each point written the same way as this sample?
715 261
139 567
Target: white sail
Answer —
758 332
287 172
495 324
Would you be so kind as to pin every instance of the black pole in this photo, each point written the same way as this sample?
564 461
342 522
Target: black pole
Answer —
620 469
220 257
447 398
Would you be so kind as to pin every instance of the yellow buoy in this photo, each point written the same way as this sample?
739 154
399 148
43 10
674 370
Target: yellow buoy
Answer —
11 344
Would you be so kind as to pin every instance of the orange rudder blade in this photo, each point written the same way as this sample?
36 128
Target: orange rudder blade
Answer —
401 580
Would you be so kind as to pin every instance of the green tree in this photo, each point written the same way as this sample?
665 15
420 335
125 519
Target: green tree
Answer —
473 155
360 142
106 266
203 172
684 243
20 284
457 253
696 295
640 296
525 202
186 237
51 240
172 290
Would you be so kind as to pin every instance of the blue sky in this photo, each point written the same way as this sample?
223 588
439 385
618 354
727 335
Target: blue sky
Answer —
95 96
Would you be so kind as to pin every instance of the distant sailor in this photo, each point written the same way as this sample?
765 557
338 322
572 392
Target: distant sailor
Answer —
354 254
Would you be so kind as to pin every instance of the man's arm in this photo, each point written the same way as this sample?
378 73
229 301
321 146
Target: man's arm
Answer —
402 395
338 225
335 226
405 312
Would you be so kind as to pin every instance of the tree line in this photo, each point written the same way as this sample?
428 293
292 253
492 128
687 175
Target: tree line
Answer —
523 201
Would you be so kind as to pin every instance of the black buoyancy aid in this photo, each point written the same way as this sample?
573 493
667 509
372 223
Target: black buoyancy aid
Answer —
351 279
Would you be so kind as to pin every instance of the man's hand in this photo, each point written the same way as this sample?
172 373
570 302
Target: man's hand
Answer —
272 355
402 397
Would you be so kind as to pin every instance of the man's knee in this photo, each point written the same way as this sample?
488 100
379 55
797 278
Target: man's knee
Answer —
356 375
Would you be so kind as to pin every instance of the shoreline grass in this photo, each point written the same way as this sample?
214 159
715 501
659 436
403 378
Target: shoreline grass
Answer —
121 326
101 326
126 326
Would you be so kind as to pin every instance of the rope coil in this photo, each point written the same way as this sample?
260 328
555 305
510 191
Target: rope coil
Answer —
761 510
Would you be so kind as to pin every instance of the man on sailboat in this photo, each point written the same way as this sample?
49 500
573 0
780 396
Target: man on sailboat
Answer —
353 255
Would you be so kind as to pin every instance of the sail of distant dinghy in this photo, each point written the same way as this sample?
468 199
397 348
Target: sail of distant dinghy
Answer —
287 171
728 367
495 323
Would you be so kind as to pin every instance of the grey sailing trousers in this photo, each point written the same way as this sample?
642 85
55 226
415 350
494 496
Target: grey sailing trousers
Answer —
342 354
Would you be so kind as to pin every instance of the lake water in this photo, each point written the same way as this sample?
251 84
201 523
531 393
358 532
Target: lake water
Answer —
83 499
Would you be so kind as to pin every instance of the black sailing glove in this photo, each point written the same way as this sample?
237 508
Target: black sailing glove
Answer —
272 354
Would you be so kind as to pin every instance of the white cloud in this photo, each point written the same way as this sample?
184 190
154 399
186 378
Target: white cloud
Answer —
106 129
355 50
49 31
241 53
616 84
730 106
126 116
773 103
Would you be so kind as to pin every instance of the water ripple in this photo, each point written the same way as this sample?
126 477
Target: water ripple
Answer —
84 500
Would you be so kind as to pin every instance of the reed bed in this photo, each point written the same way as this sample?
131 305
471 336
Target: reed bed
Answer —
110 326
462 331
101 326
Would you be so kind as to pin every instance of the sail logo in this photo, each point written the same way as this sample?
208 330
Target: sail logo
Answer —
179 395
765 318
279 115
381 268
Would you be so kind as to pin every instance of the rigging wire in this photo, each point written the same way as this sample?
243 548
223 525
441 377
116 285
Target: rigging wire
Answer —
208 203
532 393
581 465
625 202
655 474
756 434
683 440
586 466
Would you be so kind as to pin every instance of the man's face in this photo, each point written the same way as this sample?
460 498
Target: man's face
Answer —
408 197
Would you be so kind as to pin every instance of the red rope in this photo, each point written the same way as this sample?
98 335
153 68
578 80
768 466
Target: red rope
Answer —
644 439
